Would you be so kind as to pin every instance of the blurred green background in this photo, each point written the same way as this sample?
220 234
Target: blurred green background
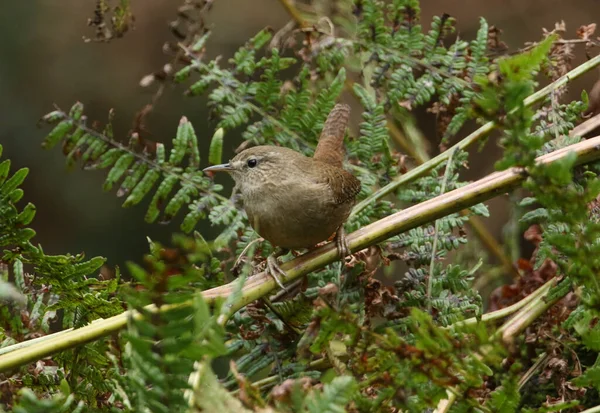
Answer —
44 61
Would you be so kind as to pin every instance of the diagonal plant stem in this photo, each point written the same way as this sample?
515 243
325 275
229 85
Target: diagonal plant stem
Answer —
487 239
476 224
473 137
293 12
542 359
262 284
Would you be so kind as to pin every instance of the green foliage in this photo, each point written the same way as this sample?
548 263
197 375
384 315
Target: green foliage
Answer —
50 289
29 403
505 399
451 296
164 342
591 377
63 277
343 341
141 166
334 398
507 99
215 152
422 360
411 67
569 229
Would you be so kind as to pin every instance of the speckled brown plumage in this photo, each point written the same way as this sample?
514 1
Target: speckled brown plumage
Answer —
292 200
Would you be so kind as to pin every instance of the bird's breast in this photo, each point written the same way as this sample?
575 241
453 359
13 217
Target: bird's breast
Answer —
294 213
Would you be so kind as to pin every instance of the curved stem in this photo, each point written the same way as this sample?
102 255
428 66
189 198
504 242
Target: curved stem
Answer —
262 284
523 319
504 312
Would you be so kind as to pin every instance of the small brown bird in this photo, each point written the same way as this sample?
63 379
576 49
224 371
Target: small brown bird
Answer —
294 201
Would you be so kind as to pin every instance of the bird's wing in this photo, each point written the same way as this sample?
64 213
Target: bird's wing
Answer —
343 184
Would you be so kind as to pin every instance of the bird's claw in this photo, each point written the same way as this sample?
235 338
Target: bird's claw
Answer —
273 269
341 243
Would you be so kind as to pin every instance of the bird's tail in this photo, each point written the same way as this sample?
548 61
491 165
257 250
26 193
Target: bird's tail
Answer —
330 148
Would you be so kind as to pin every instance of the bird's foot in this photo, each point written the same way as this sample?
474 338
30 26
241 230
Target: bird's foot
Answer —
341 243
274 270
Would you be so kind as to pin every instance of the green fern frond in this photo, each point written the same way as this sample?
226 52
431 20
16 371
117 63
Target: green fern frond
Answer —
334 398
141 167
292 119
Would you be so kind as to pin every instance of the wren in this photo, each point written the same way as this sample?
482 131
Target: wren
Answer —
294 201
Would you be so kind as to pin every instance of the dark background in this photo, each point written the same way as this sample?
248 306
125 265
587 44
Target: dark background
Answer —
44 61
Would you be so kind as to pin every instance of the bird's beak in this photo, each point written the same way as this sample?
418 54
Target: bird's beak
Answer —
217 168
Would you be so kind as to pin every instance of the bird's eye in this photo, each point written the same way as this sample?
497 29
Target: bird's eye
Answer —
252 163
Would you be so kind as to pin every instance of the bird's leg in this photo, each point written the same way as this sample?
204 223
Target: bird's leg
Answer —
343 250
273 268
341 243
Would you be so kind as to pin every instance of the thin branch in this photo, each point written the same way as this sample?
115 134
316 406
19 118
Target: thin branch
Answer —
504 312
526 316
507 332
435 236
262 284
542 359
586 127
490 242
559 41
262 384
293 12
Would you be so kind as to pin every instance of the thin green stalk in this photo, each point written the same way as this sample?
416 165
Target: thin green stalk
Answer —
435 236
293 12
523 319
542 359
505 312
319 364
445 404
28 343
262 284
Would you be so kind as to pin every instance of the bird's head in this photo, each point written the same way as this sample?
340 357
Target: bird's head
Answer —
257 165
